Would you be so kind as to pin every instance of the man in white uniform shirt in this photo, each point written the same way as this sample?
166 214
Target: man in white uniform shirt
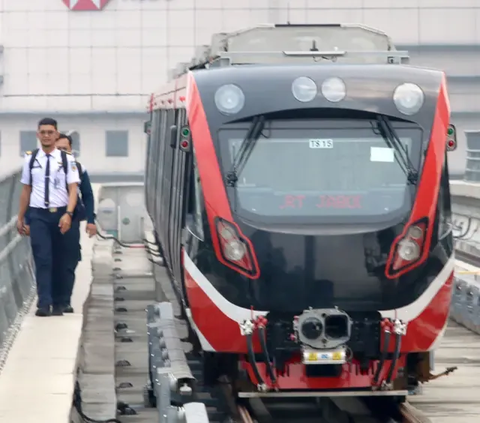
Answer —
51 192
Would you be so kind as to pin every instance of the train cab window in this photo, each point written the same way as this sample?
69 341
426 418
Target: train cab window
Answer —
321 171
195 203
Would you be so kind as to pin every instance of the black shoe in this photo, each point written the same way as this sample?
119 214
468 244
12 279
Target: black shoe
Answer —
57 311
43 312
68 309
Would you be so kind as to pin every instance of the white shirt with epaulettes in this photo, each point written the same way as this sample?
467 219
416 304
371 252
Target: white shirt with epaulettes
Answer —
58 194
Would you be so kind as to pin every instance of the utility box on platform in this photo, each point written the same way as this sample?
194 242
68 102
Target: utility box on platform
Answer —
121 211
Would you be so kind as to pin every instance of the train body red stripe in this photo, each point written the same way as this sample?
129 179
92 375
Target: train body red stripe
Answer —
216 201
429 185
215 196
214 192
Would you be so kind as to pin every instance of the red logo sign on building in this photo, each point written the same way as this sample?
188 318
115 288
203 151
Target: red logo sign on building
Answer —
85 4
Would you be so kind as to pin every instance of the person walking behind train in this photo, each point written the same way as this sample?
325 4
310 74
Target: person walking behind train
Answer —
50 189
64 143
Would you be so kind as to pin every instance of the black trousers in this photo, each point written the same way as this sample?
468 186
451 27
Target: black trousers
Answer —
52 254
73 256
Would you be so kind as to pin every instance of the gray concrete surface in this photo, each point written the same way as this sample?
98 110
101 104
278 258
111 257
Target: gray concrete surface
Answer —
454 398
104 385
37 382
134 291
465 189
96 373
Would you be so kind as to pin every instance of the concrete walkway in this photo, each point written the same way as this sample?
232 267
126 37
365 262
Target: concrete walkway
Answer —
37 382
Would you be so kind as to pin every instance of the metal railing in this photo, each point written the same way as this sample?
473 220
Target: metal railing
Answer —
17 277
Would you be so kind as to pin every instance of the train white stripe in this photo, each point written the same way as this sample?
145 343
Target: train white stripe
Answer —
412 311
239 314
206 346
230 310
438 339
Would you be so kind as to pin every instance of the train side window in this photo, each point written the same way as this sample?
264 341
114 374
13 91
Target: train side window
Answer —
195 203
444 204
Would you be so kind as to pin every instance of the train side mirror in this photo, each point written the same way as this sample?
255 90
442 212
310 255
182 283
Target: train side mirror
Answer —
173 136
451 138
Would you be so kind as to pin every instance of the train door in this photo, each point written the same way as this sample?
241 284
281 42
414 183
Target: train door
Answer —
148 168
174 197
158 162
154 162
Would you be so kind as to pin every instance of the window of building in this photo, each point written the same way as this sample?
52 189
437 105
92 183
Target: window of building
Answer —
75 143
116 143
28 141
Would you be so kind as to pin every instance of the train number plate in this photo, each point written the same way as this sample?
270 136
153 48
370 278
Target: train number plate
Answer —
321 143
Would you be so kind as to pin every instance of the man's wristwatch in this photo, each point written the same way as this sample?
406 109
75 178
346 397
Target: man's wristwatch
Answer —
70 213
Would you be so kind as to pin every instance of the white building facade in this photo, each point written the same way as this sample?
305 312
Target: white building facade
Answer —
92 64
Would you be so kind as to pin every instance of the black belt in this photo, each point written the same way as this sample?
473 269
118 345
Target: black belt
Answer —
50 209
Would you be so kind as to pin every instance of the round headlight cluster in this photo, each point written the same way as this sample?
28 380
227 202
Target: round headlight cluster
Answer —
408 98
334 89
408 250
305 89
229 99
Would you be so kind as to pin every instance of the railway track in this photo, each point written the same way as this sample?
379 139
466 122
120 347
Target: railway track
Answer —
325 410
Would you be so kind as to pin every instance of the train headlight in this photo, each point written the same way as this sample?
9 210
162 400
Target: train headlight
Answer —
408 250
334 89
234 250
408 98
229 99
227 234
415 232
304 89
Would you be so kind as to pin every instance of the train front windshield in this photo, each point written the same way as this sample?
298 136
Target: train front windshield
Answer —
333 171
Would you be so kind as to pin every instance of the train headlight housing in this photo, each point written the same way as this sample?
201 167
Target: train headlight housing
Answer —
229 99
408 98
235 250
334 89
408 250
304 89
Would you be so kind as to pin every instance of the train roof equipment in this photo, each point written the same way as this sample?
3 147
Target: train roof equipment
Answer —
273 44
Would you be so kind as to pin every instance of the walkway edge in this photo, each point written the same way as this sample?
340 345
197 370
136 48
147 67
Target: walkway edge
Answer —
96 354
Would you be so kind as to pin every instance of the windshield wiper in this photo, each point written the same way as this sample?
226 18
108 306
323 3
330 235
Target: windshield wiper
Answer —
392 140
246 148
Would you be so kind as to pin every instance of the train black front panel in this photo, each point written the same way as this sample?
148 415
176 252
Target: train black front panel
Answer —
321 229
